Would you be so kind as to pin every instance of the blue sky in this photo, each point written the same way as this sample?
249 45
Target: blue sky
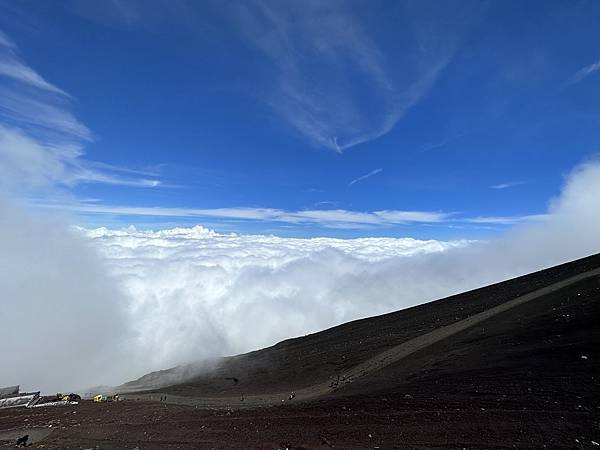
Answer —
426 119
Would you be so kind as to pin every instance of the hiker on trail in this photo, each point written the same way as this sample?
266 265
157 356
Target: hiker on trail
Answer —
334 384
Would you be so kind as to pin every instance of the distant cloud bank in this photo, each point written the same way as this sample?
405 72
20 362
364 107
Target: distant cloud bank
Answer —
196 293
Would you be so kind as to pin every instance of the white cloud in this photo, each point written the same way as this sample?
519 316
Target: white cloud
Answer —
321 58
507 220
506 185
38 165
5 41
393 216
41 140
24 162
584 72
62 314
13 67
43 116
333 218
327 110
196 293
365 176
328 218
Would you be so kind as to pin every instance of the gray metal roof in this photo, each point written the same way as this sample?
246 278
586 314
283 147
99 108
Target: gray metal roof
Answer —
9 391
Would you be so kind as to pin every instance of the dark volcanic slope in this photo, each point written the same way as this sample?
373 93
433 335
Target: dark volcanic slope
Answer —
525 378
300 362
546 350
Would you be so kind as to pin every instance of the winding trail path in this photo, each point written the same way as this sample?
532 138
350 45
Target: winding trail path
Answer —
373 364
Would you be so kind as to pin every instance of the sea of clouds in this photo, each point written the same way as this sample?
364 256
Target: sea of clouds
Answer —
195 293
101 306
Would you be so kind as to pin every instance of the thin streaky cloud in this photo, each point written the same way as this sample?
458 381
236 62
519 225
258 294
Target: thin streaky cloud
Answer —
364 177
20 72
328 218
111 167
396 216
13 67
434 145
87 175
51 120
327 203
296 39
506 185
5 41
507 220
42 141
327 113
331 218
584 72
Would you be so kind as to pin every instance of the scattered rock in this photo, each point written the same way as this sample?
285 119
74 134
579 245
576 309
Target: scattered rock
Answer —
325 441
22 441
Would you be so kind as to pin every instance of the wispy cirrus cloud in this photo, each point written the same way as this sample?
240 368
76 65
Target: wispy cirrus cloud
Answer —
328 111
395 216
329 218
329 203
13 67
41 140
506 185
507 220
326 218
322 57
584 72
365 176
